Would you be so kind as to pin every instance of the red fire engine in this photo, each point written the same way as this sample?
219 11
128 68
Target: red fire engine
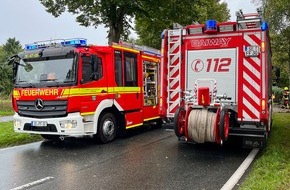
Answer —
216 80
69 88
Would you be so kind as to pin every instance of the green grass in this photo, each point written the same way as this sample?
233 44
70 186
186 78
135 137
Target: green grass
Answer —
6 107
9 138
272 168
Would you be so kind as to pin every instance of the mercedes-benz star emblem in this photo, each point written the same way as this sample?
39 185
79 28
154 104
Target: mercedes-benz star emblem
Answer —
38 104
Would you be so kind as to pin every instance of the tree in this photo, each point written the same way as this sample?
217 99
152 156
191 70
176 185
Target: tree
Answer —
277 14
10 48
115 14
149 28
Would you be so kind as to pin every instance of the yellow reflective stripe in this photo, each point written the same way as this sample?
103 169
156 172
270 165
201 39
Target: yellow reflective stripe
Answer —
124 89
151 58
87 113
148 119
96 91
127 49
131 126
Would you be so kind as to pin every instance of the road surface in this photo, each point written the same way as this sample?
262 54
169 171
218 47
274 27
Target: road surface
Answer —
145 159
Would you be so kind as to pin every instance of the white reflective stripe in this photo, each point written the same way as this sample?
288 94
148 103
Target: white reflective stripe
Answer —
251 81
173 82
251 94
252 108
173 70
173 105
174 93
252 69
173 59
256 60
175 45
249 40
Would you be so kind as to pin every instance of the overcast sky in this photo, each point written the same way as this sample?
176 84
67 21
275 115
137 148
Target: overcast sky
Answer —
27 21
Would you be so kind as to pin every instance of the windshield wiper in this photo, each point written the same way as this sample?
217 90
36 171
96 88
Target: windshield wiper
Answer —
23 81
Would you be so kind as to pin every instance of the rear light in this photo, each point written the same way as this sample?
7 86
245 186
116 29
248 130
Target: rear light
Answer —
263 47
263 105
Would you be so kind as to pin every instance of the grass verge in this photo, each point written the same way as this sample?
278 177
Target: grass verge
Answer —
272 168
9 138
6 107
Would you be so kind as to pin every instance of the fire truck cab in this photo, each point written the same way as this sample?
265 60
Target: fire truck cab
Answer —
216 80
68 88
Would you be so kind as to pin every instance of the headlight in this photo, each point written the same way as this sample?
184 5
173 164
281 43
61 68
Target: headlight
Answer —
17 124
68 124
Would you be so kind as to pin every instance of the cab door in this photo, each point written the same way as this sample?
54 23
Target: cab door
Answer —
128 93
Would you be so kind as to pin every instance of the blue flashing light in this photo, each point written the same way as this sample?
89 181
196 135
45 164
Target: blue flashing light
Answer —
163 34
75 42
31 46
210 25
264 26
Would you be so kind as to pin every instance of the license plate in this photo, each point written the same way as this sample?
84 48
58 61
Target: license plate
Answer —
39 123
252 51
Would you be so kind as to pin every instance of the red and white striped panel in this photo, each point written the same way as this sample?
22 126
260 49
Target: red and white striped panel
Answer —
174 78
251 81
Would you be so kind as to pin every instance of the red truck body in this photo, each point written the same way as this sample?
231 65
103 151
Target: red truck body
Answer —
224 68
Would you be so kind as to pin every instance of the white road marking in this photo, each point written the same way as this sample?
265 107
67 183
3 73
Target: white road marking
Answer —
32 183
234 179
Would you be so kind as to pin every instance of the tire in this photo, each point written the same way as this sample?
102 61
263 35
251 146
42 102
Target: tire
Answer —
50 137
179 122
107 128
224 125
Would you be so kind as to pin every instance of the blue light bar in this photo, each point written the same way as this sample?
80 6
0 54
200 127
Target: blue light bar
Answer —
210 25
31 46
75 42
264 26
56 43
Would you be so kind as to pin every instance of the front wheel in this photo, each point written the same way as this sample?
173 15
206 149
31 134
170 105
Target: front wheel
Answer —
107 128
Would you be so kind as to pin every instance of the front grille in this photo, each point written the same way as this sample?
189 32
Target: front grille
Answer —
48 128
50 109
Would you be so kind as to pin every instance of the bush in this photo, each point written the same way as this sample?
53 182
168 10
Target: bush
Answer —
278 93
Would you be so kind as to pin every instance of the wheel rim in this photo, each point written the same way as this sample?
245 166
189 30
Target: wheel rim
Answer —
108 128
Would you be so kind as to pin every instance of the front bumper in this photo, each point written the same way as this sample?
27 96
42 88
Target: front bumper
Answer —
52 127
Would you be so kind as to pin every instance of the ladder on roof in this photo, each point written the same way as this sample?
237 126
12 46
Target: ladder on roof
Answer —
174 70
145 49
249 21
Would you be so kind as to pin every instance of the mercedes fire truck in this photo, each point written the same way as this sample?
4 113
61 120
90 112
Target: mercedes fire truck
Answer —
216 80
68 88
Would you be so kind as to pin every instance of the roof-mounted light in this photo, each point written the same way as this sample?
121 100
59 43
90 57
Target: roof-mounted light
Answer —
31 46
210 27
75 42
56 43
264 26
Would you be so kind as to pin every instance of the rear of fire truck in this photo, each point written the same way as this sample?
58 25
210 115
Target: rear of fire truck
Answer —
217 80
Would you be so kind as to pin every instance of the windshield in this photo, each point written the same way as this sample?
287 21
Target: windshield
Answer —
48 71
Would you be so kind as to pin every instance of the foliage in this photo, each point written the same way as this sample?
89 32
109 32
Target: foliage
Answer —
277 13
114 14
149 28
278 93
272 169
11 47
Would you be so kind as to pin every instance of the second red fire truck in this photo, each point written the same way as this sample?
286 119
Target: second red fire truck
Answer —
216 80
68 88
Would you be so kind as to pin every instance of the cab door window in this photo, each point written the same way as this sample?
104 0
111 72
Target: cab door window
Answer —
130 61
92 68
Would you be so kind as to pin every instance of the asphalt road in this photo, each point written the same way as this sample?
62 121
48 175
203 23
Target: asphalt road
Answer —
6 118
145 159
